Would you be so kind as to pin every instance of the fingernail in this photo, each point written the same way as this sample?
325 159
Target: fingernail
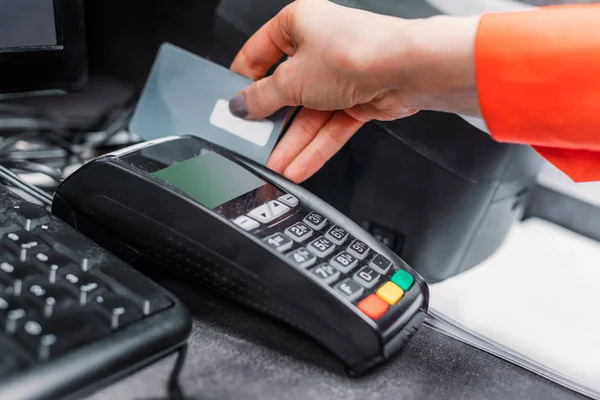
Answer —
237 106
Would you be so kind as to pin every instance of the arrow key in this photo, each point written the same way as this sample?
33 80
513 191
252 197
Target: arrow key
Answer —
262 214
277 208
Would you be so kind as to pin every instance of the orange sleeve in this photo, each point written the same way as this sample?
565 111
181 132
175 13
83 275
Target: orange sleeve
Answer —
538 80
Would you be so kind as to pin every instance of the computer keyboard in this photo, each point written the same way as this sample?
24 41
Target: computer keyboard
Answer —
73 316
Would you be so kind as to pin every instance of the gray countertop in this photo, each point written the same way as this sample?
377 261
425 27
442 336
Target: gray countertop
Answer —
237 354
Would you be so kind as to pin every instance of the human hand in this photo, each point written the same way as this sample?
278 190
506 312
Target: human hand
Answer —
345 67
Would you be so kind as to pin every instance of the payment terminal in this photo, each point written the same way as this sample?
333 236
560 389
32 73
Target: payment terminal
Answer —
219 219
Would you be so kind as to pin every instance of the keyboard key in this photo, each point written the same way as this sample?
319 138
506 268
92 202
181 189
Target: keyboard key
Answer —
89 286
246 223
380 264
367 277
390 293
337 235
321 247
70 242
344 262
51 298
403 279
289 200
373 306
21 242
16 272
302 257
299 232
29 215
315 221
11 310
50 263
358 249
29 211
49 338
85 284
350 289
326 273
279 242
116 310
147 295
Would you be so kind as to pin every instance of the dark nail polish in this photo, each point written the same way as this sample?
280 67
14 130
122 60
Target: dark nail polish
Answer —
237 106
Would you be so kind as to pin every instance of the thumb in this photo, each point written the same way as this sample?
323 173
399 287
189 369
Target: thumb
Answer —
260 100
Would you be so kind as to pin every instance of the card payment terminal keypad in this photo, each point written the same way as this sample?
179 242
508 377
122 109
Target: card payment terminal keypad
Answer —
328 254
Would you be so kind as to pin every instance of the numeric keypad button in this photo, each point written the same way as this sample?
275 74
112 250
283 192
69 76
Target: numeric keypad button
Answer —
302 257
299 232
326 273
321 247
367 277
315 221
350 289
380 264
358 249
344 262
337 235
279 242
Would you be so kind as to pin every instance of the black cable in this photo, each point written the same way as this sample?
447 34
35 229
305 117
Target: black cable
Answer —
16 181
28 166
174 387
34 141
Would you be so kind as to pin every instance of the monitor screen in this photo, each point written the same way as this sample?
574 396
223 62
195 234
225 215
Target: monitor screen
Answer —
27 23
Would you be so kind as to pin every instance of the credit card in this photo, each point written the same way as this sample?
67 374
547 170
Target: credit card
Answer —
186 94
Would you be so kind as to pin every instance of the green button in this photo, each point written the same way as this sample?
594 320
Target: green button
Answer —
403 279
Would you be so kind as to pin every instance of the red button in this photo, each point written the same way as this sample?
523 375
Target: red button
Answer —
373 306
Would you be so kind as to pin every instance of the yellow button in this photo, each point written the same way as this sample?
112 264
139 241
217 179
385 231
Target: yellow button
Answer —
390 292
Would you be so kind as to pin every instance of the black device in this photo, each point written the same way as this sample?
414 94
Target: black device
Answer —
42 46
438 191
73 317
218 218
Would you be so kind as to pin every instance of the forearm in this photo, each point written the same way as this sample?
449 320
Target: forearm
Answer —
438 66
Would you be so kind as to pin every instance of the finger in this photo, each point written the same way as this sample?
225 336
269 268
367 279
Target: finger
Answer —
264 97
330 139
301 132
265 47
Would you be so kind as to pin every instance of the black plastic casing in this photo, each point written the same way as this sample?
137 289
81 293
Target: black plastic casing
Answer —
62 67
439 192
135 215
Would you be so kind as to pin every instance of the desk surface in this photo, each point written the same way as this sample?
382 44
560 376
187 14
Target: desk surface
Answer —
235 354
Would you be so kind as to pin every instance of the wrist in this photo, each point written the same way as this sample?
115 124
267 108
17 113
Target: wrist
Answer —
437 68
